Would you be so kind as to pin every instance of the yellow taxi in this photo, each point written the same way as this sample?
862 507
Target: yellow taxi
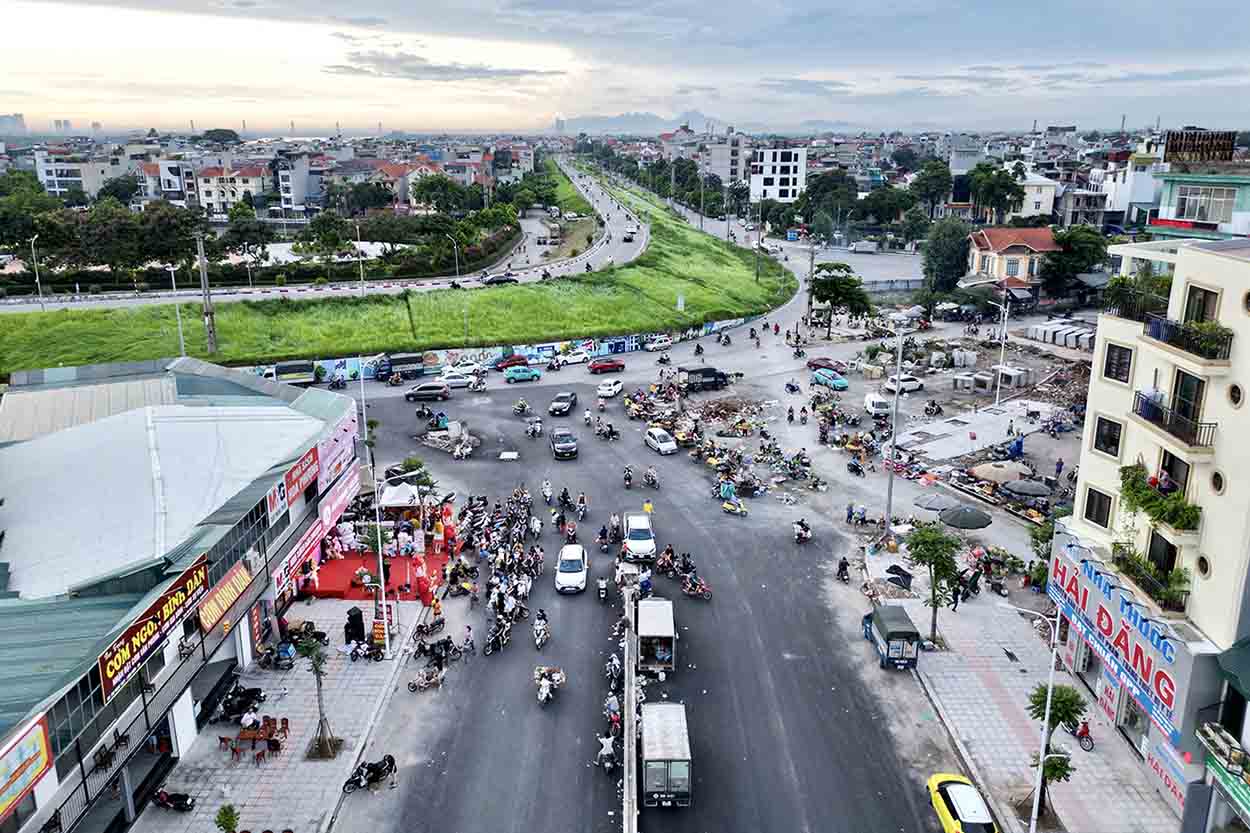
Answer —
959 805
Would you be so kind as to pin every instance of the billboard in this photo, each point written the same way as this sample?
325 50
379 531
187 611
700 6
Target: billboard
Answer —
1199 145
227 591
23 764
302 474
336 451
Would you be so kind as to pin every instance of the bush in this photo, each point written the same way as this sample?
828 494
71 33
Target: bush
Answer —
575 252
94 288
279 280
320 282
142 286
4 293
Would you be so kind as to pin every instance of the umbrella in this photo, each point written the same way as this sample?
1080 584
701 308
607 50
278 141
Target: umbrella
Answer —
965 517
1027 488
1001 472
936 502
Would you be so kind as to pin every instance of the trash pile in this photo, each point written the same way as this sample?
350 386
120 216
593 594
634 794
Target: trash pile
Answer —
454 440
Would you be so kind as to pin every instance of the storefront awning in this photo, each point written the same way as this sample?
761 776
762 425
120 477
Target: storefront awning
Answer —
1235 666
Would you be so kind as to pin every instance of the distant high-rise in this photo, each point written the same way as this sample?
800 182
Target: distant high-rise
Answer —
11 123
559 125
96 127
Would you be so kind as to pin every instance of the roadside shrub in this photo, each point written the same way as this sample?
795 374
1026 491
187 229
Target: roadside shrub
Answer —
142 286
575 252
320 282
280 280
94 288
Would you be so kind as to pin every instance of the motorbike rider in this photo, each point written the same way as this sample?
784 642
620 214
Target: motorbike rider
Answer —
547 491
844 567
565 498
606 752
540 618
790 415
628 474
602 538
570 532
522 407
805 530
650 476
615 524
687 564
698 349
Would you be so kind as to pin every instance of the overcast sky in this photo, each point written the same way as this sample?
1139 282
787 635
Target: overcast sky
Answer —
517 64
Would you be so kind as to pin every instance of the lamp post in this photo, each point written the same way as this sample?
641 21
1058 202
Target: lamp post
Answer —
182 345
1050 693
898 392
1005 308
34 259
455 250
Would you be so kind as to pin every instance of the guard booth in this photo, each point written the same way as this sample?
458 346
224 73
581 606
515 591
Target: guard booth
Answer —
666 764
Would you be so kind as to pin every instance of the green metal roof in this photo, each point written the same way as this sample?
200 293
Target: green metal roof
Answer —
48 643
1235 664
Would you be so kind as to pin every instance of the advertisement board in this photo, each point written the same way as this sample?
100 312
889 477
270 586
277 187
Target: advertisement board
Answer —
275 501
336 451
302 474
1199 145
227 591
123 659
336 500
23 764
307 546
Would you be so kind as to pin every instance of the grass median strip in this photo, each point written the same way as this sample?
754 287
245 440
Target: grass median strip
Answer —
568 198
716 280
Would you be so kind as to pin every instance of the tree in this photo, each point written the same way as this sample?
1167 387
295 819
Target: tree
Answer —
930 548
376 538
416 474
22 201
995 189
822 225
835 284
523 200
120 188
884 205
905 158
1081 248
15 181
326 235
247 237
932 184
221 135
227 819
1067 707
366 195
915 224
946 253
327 744
167 232
833 192
110 235
75 197
439 191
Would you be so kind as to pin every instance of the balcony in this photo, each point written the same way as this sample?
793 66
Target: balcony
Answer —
1191 433
1206 340
1134 306
1170 591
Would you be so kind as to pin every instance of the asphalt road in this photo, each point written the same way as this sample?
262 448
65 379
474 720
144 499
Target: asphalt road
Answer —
610 249
777 715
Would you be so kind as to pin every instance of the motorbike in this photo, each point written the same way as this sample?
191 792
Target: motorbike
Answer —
603 406
803 417
394 380
429 628
629 479
367 774
608 432
338 383
652 480
570 533
439 652
581 511
697 587
730 507
178 802
799 353
844 572
855 468
1081 733
546 274
607 754
698 349
498 638
541 634
586 418
548 678
603 590
932 408
360 650
612 669
725 340
534 429
270 657
664 359
547 495
802 534
428 678
423 412
477 386
521 408
793 387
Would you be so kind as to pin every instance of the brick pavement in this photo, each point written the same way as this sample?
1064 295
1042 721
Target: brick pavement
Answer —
289 791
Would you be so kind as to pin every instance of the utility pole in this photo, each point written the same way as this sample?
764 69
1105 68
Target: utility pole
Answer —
701 177
758 231
672 181
728 213
811 277
210 327
182 344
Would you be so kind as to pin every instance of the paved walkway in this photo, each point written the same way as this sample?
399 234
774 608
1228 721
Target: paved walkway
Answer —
289 791
981 685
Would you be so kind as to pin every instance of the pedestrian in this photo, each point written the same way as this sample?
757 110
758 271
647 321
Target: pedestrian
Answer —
436 607
1011 428
850 511
647 507
956 586
776 329
1058 467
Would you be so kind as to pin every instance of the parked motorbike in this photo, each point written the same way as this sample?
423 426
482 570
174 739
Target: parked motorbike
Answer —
270 657
178 802
664 359
428 628
422 412
360 650
793 387
1081 733
367 774
428 678
498 638
855 468
932 408
799 353
338 383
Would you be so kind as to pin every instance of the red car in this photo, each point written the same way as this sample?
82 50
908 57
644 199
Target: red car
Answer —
823 363
511 361
606 366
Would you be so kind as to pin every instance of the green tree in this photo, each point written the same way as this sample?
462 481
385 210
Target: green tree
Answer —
932 184
366 195
227 819
1067 707
391 230
835 284
327 744
884 205
915 224
22 201
523 200
15 181
60 241
221 135
1081 248
110 234
440 191
325 236
834 192
247 237
168 232
120 188
416 474
995 189
931 549
946 253
75 197
822 225
905 158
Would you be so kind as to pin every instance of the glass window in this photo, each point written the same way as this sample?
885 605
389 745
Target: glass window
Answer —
1013 267
1200 304
679 776
1162 553
985 263
656 777
20 814
1177 470
1117 363
1187 395
1097 507
1107 436
1205 204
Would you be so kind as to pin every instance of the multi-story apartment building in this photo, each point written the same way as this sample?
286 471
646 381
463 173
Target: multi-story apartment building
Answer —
682 143
60 173
1151 572
171 180
778 174
1132 186
1039 197
221 188
965 153
729 158
1210 200
293 182
1080 207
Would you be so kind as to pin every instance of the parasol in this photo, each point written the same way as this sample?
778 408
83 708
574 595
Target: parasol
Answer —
1027 488
965 517
936 502
1001 472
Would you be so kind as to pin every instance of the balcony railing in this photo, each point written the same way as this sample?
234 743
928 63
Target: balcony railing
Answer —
1134 306
1192 433
1172 594
1206 340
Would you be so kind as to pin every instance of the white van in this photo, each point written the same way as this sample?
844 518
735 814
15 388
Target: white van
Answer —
875 404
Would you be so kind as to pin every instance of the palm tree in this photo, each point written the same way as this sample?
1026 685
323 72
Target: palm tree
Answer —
327 744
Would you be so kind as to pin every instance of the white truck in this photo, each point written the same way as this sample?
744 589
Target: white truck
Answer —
865 247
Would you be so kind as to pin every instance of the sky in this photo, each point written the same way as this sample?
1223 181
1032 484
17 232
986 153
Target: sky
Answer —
487 65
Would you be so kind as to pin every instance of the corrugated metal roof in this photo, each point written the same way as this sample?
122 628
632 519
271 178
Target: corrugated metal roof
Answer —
26 413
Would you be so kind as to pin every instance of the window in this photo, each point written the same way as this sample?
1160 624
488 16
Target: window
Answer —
1162 552
1107 436
1200 304
1032 267
985 263
20 814
1187 395
1097 507
783 193
1205 204
1037 205
768 180
1117 363
1013 267
1177 469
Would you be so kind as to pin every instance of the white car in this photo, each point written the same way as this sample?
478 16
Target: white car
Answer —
661 441
659 343
453 379
905 383
609 389
576 357
467 367
639 537
572 569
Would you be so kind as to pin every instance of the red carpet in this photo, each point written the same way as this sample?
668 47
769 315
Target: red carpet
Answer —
335 577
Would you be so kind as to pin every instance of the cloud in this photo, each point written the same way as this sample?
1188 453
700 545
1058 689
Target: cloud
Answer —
411 67
697 89
805 86
350 38
364 22
1176 75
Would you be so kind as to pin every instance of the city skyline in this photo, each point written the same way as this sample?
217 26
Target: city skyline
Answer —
517 65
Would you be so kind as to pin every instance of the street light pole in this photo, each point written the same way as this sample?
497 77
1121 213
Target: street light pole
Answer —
455 250
210 325
1050 692
898 392
1005 307
759 230
182 345
34 259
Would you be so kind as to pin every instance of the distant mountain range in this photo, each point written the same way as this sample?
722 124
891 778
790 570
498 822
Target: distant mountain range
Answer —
651 124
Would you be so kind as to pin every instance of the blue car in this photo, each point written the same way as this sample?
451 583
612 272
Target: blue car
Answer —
830 379
521 373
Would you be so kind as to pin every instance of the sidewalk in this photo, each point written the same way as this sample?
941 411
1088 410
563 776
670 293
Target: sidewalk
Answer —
289 791
980 686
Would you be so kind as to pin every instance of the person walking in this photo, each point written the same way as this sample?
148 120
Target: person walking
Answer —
1058 467
1011 428
850 511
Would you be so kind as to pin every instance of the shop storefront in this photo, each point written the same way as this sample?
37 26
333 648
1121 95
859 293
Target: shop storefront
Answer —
1148 677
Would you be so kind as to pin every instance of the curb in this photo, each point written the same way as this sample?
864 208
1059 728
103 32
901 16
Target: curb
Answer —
1007 821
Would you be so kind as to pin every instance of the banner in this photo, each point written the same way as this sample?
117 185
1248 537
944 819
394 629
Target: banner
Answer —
336 500
303 473
337 451
275 501
122 660
23 764
307 546
227 592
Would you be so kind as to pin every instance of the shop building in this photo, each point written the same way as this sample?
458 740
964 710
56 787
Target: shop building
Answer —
157 518
1151 572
